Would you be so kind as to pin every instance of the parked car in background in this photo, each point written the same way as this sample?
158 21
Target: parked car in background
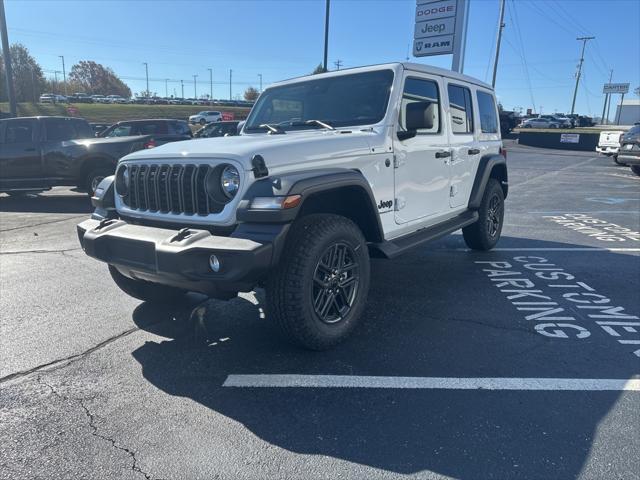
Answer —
161 131
81 98
563 122
539 123
218 129
47 98
37 153
205 117
629 153
508 121
98 99
609 143
116 99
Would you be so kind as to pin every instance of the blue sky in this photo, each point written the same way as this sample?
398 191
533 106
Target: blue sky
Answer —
281 39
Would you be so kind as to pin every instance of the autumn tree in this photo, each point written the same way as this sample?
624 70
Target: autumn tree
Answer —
251 94
28 79
319 69
93 78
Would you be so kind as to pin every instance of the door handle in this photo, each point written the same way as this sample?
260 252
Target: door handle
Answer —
443 154
473 151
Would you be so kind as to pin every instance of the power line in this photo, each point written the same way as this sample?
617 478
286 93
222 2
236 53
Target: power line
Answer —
524 60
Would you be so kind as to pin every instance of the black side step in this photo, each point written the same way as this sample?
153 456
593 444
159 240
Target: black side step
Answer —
393 248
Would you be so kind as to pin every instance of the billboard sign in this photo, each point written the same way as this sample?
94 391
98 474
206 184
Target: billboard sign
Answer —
616 88
438 26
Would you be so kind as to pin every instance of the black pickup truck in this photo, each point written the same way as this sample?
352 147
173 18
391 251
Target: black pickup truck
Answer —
37 153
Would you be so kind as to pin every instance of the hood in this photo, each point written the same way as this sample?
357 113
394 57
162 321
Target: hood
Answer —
101 140
294 147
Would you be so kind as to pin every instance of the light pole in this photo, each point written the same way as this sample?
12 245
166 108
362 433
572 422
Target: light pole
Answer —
13 107
260 75
575 90
166 88
64 75
210 84
498 40
182 88
195 87
146 71
326 33
230 79
55 75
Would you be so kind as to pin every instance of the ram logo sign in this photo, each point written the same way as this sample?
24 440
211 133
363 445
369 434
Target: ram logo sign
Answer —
438 22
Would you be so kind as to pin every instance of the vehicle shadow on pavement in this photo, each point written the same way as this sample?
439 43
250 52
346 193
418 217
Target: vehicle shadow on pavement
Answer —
430 313
46 204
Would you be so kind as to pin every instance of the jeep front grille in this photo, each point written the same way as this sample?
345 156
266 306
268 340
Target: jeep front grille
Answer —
177 189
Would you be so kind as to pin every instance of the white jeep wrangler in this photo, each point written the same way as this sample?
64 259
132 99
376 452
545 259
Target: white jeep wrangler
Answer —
329 170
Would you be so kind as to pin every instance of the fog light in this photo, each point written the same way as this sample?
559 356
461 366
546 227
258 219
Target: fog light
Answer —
214 263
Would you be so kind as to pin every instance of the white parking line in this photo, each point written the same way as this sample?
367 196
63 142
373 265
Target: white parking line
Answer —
431 383
558 249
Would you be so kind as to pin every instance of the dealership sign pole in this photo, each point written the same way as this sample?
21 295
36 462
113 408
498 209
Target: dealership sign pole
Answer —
440 29
620 88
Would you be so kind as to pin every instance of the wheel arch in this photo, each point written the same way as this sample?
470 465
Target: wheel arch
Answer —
339 191
491 166
92 162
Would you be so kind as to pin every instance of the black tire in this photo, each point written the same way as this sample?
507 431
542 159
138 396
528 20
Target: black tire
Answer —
317 298
203 122
94 177
485 233
147 291
615 159
635 169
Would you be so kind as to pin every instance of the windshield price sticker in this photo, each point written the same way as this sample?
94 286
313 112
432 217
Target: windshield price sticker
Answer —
547 295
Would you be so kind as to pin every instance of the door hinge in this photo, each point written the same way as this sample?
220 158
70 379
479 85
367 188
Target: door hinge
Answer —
399 204
453 190
397 163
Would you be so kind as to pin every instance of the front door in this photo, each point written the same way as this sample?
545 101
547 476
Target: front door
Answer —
422 173
20 153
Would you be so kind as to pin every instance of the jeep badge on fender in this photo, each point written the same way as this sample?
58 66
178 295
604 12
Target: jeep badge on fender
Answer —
289 204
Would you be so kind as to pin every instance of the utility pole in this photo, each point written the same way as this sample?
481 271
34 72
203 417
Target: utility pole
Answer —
326 33
146 70
13 107
260 75
182 87
606 99
230 80
64 76
498 40
195 87
575 91
166 88
55 74
210 83
338 64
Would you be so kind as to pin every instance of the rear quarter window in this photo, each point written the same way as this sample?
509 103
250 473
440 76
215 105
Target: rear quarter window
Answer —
487 112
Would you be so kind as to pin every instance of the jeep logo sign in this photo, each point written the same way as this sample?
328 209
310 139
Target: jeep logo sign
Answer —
437 22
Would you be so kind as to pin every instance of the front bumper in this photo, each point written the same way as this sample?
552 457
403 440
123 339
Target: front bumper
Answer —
181 259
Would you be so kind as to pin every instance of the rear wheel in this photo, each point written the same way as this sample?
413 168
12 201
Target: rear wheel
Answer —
485 233
635 169
147 291
203 122
318 292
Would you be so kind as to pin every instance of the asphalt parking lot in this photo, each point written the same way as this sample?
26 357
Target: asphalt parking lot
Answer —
523 362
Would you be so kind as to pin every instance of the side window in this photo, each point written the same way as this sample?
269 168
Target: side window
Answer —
460 109
19 131
425 91
83 129
487 110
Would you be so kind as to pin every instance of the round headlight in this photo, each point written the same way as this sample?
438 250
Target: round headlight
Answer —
123 179
230 181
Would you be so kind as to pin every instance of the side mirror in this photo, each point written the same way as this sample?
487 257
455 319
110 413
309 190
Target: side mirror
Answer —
419 115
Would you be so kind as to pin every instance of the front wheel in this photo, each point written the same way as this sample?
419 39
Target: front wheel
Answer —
635 169
203 122
147 291
318 292
485 233
94 177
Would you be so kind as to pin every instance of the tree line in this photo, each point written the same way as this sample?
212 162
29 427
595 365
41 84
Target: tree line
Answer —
86 76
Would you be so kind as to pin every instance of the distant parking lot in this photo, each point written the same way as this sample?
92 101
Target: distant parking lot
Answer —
523 362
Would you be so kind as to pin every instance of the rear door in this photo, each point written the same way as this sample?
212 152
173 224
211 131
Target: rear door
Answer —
20 155
465 150
422 173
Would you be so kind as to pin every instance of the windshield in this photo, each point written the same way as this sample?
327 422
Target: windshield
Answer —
346 100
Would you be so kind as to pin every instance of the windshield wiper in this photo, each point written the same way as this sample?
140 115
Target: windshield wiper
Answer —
320 123
272 129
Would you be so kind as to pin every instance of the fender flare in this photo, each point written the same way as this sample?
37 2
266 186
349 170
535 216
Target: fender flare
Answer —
305 183
486 167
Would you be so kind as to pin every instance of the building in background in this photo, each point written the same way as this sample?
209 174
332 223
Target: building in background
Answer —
628 112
